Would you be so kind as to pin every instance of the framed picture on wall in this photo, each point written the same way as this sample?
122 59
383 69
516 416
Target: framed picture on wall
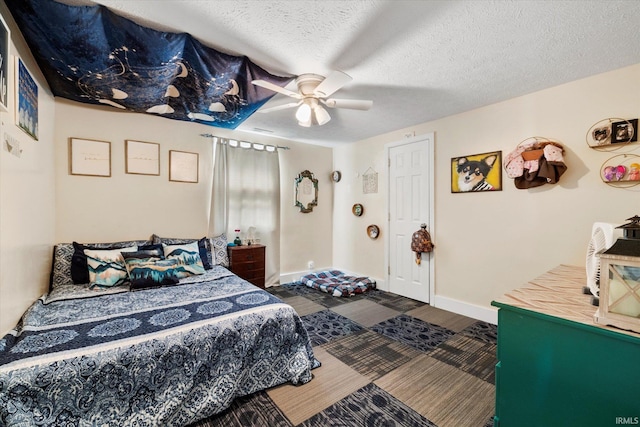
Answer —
89 157
476 172
5 37
183 166
26 100
142 158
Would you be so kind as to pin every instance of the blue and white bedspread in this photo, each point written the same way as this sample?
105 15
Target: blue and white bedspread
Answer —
166 356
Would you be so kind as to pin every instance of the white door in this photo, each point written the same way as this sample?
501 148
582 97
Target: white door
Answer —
410 195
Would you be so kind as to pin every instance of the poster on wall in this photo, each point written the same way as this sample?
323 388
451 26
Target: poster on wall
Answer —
476 172
26 100
89 157
4 65
183 166
142 158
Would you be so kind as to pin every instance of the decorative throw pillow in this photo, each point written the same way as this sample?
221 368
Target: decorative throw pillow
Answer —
188 257
61 265
204 247
106 267
79 270
148 270
219 249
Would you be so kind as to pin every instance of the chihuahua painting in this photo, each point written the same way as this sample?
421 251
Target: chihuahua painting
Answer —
472 174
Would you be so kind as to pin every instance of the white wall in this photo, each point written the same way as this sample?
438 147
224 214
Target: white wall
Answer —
27 199
490 243
353 250
305 236
126 206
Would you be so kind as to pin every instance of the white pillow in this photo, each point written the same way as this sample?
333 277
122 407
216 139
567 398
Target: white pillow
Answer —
188 257
107 267
219 249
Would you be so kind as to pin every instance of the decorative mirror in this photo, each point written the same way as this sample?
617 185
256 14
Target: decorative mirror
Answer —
306 191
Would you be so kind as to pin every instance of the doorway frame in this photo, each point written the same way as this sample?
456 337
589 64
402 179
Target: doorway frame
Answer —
429 139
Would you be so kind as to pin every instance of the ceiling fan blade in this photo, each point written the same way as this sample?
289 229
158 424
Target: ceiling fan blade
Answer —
352 104
279 107
268 85
332 83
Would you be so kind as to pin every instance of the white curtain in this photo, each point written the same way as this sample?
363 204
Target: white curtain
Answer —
246 193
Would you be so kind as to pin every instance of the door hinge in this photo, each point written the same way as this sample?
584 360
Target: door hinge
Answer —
389 162
389 270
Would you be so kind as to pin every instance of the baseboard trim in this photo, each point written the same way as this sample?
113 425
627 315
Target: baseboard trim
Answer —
293 277
474 311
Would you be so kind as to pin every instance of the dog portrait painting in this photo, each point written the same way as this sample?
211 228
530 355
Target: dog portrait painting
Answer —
477 172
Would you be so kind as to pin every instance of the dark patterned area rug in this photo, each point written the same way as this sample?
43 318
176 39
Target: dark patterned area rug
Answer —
327 325
369 406
373 352
413 332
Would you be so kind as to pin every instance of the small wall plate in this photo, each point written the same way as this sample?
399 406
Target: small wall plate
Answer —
357 209
373 231
336 176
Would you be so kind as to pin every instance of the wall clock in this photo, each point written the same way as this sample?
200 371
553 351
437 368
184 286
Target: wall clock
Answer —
336 176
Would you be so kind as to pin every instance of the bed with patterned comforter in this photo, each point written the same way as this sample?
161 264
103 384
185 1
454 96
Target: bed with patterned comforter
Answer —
164 356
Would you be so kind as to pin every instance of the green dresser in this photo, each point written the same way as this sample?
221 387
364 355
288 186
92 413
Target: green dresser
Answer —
556 367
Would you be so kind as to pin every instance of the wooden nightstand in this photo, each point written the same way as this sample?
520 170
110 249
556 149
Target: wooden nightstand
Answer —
248 263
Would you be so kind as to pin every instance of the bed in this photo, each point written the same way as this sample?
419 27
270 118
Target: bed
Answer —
162 355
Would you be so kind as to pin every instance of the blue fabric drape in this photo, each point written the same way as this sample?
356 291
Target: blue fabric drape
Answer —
92 55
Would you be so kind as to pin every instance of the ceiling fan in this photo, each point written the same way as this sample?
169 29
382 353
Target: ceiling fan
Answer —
313 92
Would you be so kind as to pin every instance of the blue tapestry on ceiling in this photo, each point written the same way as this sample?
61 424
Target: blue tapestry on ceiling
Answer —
89 54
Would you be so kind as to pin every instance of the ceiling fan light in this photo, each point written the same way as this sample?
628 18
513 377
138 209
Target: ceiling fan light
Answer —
322 116
304 113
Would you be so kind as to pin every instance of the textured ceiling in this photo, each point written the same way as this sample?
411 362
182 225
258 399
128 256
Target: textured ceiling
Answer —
417 60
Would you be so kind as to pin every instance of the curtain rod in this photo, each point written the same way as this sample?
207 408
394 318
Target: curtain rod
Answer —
279 147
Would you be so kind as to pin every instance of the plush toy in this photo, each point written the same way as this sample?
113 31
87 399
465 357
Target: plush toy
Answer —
616 173
634 172
609 172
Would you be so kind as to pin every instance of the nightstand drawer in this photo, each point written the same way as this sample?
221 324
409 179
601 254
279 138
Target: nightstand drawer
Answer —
248 255
249 270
